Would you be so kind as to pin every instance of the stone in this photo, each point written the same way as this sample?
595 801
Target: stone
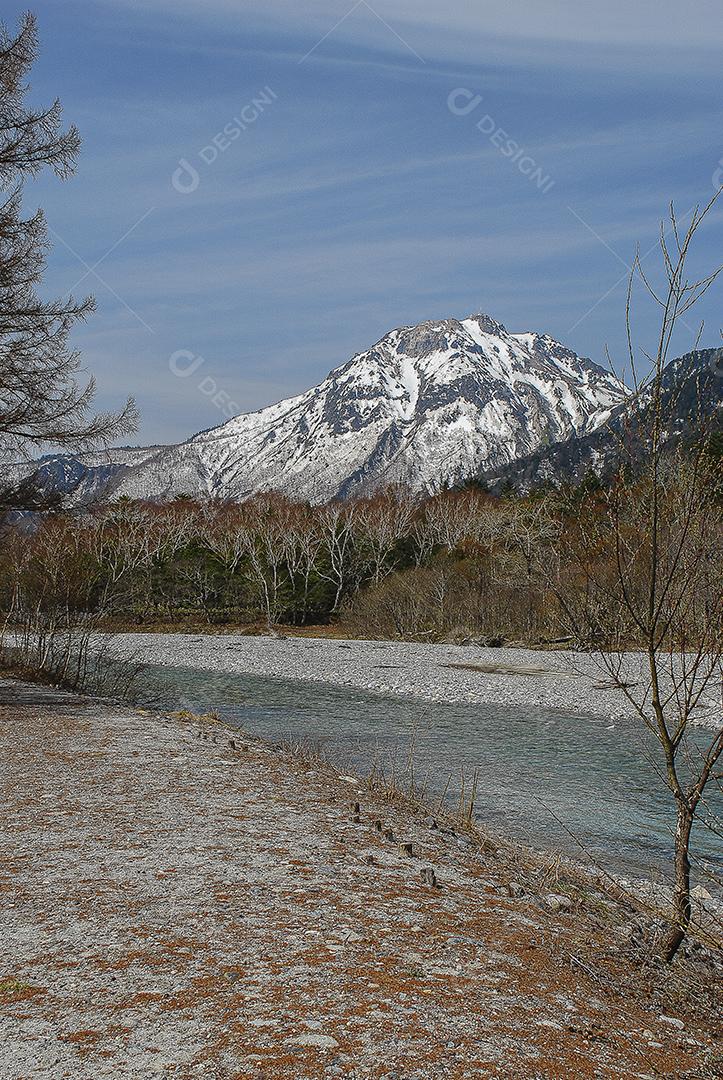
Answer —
322 1042
672 1021
515 889
558 902
428 876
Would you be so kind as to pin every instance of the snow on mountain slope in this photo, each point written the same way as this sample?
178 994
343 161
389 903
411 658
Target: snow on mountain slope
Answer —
426 406
692 403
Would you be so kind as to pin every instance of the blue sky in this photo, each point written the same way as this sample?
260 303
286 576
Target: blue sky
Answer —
355 199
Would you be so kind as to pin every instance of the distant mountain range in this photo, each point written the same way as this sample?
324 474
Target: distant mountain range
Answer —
427 406
692 396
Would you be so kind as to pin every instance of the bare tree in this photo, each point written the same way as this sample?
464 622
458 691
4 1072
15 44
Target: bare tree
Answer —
129 539
455 518
382 522
645 589
337 523
523 531
55 599
266 540
222 531
41 401
304 546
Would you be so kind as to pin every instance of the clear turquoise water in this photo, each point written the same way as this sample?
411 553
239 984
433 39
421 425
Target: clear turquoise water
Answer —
546 776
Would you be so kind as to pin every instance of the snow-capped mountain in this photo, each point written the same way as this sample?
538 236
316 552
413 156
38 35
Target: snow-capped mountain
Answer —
691 402
426 406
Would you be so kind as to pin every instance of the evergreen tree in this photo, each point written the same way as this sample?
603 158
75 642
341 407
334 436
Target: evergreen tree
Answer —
42 403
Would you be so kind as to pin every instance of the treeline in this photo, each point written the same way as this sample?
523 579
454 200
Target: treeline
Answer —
458 565
454 565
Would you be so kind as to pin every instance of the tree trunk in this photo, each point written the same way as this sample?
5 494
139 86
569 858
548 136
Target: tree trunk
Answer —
681 892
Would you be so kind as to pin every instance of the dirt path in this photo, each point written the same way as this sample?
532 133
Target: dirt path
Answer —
175 905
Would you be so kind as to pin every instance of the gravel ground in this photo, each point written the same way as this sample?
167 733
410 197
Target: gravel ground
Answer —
181 902
524 677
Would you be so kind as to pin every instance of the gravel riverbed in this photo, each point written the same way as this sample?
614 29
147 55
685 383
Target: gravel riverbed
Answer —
434 672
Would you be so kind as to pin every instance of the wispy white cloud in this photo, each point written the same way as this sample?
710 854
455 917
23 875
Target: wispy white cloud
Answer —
433 26
358 202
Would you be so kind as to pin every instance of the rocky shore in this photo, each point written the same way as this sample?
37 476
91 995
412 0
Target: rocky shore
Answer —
183 901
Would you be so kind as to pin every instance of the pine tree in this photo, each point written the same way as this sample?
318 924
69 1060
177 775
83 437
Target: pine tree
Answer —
42 402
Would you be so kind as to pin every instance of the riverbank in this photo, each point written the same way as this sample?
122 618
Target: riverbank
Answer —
183 901
434 672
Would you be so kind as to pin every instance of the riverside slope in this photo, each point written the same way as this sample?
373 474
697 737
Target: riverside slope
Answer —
427 406
182 902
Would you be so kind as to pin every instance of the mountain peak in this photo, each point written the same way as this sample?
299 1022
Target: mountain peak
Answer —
487 324
426 406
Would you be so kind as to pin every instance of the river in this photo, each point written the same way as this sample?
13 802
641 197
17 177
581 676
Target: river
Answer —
550 777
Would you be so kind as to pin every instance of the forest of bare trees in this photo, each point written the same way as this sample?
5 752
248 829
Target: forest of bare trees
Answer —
455 565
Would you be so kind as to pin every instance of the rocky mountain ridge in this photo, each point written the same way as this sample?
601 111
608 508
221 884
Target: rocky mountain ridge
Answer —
427 406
